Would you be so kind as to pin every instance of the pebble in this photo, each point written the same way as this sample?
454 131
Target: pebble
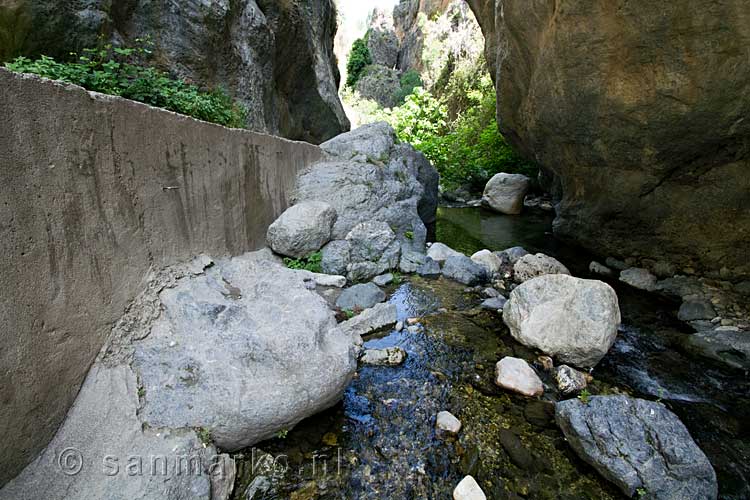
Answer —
448 423
399 326
546 362
490 293
516 375
569 380
468 489
383 279
393 356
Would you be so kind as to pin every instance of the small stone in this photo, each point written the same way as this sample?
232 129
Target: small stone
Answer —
464 270
448 423
533 266
411 261
546 362
412 321
468 489
615 264
727 322
491 262
399 326
692 310
330 439
570 380
361 296
490 293
392 356
600 269
440 252
514 254
516 375
383 279
639 278
495 304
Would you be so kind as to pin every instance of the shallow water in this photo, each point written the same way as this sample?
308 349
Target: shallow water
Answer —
380 442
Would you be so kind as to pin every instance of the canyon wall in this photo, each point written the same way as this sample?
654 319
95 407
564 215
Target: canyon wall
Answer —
95 192
640 109
275 57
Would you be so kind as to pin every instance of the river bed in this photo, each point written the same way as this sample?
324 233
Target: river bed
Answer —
380 443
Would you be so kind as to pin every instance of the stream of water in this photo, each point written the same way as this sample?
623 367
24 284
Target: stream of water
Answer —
380 443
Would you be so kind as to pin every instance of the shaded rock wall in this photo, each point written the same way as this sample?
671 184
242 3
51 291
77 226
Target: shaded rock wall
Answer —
640 108
94 192
275 57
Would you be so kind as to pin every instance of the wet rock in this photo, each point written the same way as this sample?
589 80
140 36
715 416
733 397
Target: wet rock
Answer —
336 256
383 279
302 229
516 375
514 254
546 363
490 293
411 261
730 347
600 269
569 380
494 304
518 453
447 423
468 489
439 252
370 320
692 310
429 269
358 297
540 413
504 193
374 249
638 445
488 260
639 278
616 264
464 270
212 345
572 319
392 356
531 266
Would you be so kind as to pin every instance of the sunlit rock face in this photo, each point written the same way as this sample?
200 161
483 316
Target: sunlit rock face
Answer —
639 108
274 57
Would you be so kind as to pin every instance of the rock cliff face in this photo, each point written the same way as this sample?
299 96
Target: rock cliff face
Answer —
640 108
275 57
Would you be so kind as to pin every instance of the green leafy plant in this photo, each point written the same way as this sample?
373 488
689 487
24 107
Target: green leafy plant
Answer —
282 434
397 278
204 435
409 81
123 71
359 59
409 235
584 396
349 313
310 263
640 492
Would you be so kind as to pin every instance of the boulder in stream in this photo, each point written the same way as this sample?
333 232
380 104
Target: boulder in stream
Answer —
491 262
439 252
358 297
464 270
639 445
572 319
505 193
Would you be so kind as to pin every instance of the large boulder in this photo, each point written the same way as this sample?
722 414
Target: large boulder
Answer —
238 350
302 229
531 266
242 46
639 445
505 193
440 252
640 116
369 177
573 319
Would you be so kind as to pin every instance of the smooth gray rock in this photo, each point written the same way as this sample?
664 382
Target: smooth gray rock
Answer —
515 253
446 422
383 279
104 422
572 319
411 261
239 350
392 356
336 257
639 278
494 303
600 269
518 376
361 296
504 193
468 489
439 252
370 320
302 229
530 266
374 250
491 262
692 310
464 270
730 347
638 445
368 178
429 269
569 380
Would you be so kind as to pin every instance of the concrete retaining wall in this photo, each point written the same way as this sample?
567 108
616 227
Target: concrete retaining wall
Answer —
95 191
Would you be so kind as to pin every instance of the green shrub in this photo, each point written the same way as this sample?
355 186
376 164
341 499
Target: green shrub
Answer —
122 72
409 81
359 59
310 263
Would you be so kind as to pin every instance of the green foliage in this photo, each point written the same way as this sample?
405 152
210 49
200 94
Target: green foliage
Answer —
204 435
409 235
310 263
282 434
359 59
409 81
349 313
397 278
123 72
584 396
